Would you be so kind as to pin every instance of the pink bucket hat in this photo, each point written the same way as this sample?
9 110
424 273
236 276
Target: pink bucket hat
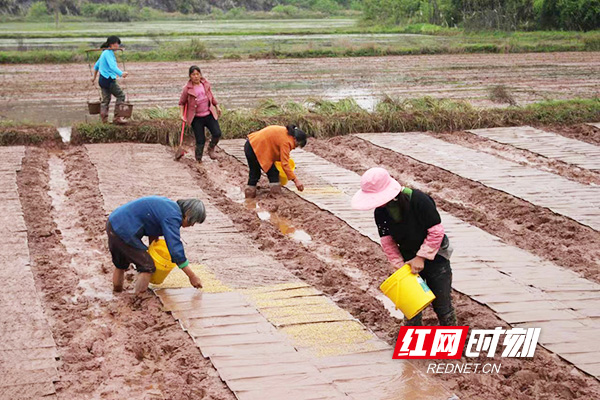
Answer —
377 188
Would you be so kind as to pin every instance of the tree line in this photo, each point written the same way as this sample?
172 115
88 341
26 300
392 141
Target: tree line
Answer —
509 15
126 10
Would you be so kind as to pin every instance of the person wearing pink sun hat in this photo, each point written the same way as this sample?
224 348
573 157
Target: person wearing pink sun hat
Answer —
410 229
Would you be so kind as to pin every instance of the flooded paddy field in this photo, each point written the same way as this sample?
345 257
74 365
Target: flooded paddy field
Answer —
138 349
58 93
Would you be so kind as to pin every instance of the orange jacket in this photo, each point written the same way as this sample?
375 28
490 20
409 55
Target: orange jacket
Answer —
272 144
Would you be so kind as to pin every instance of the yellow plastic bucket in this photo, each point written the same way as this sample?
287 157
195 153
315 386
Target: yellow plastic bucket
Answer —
408 291
283 179
162 261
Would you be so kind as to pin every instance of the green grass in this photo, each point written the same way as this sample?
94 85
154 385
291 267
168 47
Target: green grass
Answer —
162 40
322 119
13 134
335 46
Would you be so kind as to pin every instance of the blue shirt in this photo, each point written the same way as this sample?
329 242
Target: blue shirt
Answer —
107 65
150 216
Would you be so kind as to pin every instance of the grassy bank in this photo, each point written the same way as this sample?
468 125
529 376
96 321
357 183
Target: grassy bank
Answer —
337 46
14 134
235 39
324 119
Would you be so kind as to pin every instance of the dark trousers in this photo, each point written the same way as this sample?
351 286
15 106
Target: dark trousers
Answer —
255 169
198 124
438 276
124 254
115 90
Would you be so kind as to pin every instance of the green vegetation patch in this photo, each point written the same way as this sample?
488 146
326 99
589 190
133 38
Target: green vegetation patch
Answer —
13 134
323 119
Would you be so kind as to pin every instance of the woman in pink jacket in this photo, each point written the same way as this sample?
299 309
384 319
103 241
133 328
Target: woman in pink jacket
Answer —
199 108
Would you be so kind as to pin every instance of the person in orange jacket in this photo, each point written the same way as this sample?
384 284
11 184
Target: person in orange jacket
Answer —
263 148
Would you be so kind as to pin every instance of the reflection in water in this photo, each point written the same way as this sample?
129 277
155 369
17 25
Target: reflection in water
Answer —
323 251
285 226
65 133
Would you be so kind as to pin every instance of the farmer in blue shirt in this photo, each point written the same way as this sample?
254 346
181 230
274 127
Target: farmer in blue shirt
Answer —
151 216
107 65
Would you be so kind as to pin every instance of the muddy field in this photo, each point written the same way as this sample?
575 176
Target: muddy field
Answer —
58 93
113 347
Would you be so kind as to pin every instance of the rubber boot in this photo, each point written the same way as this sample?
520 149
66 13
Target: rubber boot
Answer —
117 119
448 319
275 188
250 192
199 153
104 115
417 320
212 147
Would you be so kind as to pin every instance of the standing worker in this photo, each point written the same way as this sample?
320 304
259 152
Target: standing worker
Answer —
107 65
199 109
151 216
263 148
411 229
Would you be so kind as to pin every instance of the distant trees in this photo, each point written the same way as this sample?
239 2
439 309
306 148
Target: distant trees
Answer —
489 14
125 10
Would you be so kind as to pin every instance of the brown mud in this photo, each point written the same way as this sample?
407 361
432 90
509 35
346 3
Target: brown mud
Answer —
529 77
522 157
583 132
536 229
110 346
349 267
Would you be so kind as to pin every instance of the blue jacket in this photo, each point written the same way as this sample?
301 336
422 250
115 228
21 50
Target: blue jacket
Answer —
107 65
150 216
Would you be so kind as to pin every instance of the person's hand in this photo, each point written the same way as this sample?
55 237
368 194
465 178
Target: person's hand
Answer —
195 282
183 118
299 184
125 73
219 111
416 264
396 265
93 80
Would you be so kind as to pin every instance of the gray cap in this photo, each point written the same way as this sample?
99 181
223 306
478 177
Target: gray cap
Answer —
193 210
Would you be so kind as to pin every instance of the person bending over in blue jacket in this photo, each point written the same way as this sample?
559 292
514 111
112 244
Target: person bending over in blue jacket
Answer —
151 216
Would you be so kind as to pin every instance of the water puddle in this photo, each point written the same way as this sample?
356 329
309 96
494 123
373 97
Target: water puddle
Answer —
363 282
85 260
65 133
91 289
390 306
285 226
323 251
364 98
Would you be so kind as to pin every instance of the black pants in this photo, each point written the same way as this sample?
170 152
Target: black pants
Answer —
254 165
198 124
438 276
124 254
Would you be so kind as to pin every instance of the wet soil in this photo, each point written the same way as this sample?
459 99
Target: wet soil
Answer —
528 77
583 132
349 267
522 157
535 229
110 346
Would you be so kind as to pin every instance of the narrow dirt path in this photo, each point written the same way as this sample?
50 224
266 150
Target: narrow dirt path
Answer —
109 347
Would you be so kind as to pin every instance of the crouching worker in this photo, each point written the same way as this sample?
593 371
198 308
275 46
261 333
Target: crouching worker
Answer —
263 148
151 216
411 229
